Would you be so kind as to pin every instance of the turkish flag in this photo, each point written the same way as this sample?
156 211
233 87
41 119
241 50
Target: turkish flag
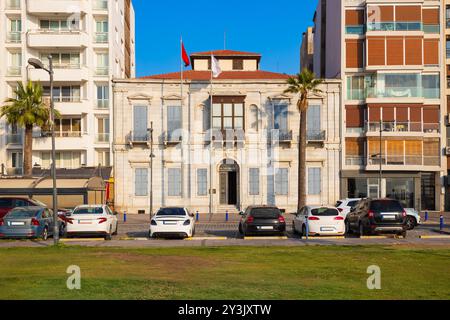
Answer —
185 56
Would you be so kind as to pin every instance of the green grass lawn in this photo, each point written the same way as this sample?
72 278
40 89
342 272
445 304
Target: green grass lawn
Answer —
225 273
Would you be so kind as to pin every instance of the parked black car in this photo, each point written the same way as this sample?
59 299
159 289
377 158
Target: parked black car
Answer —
262 220
375 216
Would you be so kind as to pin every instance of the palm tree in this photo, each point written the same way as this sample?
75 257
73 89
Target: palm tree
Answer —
303 84
27 110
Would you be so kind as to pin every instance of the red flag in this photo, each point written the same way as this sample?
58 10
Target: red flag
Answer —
185 56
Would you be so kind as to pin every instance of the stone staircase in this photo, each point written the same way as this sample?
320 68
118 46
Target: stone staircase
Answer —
233 213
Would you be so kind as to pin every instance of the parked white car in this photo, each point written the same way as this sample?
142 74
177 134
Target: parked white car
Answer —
92 220
412 219
320 220
345 205
172 222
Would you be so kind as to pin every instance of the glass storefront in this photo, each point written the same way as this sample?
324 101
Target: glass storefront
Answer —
402 190
428 191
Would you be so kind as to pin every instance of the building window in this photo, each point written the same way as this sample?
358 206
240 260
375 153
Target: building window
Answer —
281 181
140 126
281 117
254 118
101 31
64 159
355 88
141 182
104 158
63 60
238 64
431 86
102 64
202 182
102 96
59 25
174 182
314 178
228 116
313 122
64 93
253 175
173 121
15 31
102 130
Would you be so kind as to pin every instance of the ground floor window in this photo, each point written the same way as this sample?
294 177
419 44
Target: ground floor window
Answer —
140 182
174 182
253 177
401 190
428 191
314 178
202 182
281 181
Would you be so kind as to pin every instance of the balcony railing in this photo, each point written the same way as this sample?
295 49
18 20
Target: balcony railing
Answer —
138 137
102 71
396 126
101 4
394 26
58 134
101 37
65 98
14 71
281 136
14 171
14 37
227 135
14 139
405 160
318 136
102 104
431 28
13 4
355 160
357 29
173 137
102 137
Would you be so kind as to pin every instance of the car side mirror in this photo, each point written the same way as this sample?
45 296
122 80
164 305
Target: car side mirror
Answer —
241 213
68 214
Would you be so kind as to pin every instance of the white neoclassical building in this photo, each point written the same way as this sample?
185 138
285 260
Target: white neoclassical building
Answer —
221 146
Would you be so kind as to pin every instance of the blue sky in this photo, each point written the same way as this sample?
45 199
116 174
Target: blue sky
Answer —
270 27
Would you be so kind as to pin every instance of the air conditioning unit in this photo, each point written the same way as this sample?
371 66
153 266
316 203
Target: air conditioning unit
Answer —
447 151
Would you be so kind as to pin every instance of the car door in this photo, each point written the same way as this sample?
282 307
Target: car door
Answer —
300 219
352 216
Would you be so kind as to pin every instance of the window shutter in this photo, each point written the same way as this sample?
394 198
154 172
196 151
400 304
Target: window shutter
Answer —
254 181
374 113
354 146
413 148
431 51
355 116
413 51
376 51
314 177
388 114
202 182
431 114
354 17
380 13
354 55
408 14
174 182
430 16
394 51
141 181
313 124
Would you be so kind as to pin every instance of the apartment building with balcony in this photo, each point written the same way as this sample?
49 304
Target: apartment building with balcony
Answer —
91 42
221 146
388 55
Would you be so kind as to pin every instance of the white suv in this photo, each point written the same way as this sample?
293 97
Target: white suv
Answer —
344 206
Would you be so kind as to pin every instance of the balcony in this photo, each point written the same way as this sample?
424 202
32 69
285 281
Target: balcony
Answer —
138 138
280 136
100 5
404 160
44 7
102 138
12 4
101 37
14 171
358 29
315 136
64 38
394 26
14 71
62 73
14 139
14 37
395 126
101 71
355 161
58 134
102 104
171 138
226 137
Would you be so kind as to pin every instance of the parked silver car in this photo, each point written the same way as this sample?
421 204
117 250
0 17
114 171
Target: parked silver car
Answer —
27 222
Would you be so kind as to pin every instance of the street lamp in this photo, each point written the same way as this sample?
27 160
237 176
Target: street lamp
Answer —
36 63
150 137
380 177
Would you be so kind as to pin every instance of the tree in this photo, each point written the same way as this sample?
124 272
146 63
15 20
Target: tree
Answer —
303 84
26 111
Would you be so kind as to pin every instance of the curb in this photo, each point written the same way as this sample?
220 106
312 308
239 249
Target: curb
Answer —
206 238
266 238
435 237
324 238
82 240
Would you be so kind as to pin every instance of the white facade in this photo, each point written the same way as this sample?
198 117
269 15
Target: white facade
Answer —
243 164
91 42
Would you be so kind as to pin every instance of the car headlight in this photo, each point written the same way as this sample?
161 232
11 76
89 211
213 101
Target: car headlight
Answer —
153 223
187 222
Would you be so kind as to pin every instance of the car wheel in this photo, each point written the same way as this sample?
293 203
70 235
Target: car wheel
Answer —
62 230
108 237
240 229
193 232
348 229
402 234
410 223
117 230
361 230
44 234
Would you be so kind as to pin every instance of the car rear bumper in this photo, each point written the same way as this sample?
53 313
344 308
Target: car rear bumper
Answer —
86 233
260 229
388 228
327 230
170 231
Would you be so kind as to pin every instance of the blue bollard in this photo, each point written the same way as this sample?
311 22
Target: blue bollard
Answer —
124 216
426 215
441 223
197 216
307 228
226 216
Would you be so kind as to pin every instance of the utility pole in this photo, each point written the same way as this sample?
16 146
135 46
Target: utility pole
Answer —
381 160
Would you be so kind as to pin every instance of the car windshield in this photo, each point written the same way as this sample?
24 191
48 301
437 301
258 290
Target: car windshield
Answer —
171 212
88 210
22 214
266 213
385 206
5 203
324 212
353 203
338 204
